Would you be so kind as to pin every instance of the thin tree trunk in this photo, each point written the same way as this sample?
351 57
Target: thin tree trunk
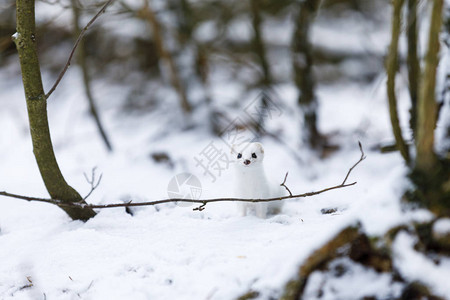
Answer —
86 77
187 19
303 73
427 106
54 181
413 62
258 42
260 50
148 14
391 69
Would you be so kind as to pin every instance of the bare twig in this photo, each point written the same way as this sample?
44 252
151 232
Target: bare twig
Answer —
83 31
363 157
201 202
94 184
283 184
201 207
47 200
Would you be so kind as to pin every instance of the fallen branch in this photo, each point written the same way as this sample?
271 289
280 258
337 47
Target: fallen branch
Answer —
80 37
201 202
128 204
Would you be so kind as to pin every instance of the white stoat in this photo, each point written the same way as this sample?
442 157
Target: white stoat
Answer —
251 180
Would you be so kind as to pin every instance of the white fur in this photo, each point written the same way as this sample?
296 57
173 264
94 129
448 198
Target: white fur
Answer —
251 181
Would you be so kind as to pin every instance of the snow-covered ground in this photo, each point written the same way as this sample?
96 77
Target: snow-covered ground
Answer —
170 251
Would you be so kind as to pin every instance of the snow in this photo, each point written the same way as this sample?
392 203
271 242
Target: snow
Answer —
349 280
206 31
442 226
240 29
170 251
352 35
412 265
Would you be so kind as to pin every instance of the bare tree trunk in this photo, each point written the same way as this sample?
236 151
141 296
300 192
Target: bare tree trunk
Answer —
427 106
148 14
391 69
258 43
86 77
431 174
260 50
187 20
303 74
413 62
37 113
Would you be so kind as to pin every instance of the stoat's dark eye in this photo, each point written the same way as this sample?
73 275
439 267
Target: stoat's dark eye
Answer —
254 155
239 155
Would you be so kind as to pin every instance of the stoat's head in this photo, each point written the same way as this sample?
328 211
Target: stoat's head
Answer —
248 154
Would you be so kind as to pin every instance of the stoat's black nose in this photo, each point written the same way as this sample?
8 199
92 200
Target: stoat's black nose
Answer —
246 162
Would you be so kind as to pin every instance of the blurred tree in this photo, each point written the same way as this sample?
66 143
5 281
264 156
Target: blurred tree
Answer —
25 40
303 72
147 13
188 18
391 70
259 49
259 46
429 173
413 61
81 59
7 16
